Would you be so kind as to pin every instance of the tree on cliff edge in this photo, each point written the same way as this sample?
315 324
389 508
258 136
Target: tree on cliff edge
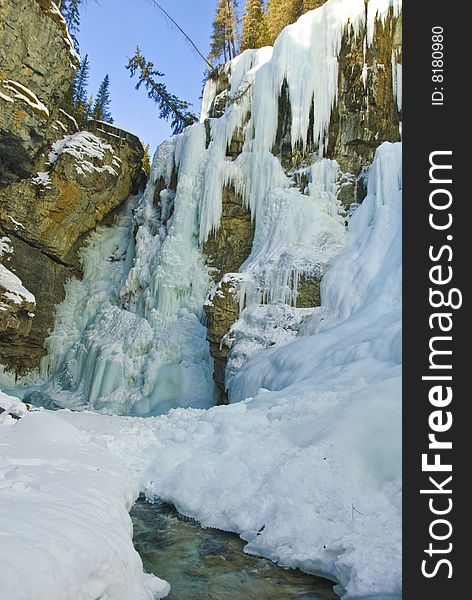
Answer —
101 107
70 10
80 102
170 107
224 39
252 24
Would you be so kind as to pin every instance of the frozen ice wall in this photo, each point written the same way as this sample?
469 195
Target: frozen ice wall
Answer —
130 337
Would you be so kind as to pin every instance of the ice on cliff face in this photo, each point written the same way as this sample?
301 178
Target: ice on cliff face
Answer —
131 338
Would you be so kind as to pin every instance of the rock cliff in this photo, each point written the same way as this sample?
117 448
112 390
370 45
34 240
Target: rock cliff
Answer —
56 182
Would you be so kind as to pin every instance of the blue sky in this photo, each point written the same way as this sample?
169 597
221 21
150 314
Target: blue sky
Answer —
109 33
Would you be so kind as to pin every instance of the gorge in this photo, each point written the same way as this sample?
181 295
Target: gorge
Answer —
225 337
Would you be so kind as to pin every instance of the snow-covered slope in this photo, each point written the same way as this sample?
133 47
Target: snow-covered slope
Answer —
64 526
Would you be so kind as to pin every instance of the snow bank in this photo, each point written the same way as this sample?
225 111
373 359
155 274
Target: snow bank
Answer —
64 524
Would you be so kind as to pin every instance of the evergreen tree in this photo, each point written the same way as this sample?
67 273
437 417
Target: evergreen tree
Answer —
101 107
311 4
283 12
232 26
70 10
169 105
264 37
80 100
224 39
252 24
147 161
280 14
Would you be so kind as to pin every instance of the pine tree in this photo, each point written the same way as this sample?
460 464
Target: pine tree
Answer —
101 107
263 38
252 24
232 26
70 10
169 105
147 161
281 13
311 4
224 39
80 100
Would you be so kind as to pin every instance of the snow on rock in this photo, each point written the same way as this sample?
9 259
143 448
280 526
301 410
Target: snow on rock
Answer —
54 10
10 409
5 246
85 147
11 287
23 93
64 524
42 178
16 224
14 289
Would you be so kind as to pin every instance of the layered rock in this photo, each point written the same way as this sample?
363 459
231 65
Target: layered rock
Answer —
56 183
37 66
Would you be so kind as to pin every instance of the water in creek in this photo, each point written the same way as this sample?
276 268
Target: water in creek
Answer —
207 564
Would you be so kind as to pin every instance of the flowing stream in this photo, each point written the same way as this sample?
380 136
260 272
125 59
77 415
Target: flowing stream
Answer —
208 564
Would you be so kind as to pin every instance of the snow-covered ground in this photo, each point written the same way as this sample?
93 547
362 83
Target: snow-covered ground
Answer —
65 532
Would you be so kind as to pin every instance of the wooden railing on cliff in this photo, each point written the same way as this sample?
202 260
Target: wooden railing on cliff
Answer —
113 134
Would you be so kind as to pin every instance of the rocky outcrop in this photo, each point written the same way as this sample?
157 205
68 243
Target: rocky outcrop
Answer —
56 183
16 309
222 311
366 113
37 66
47 217
225 252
